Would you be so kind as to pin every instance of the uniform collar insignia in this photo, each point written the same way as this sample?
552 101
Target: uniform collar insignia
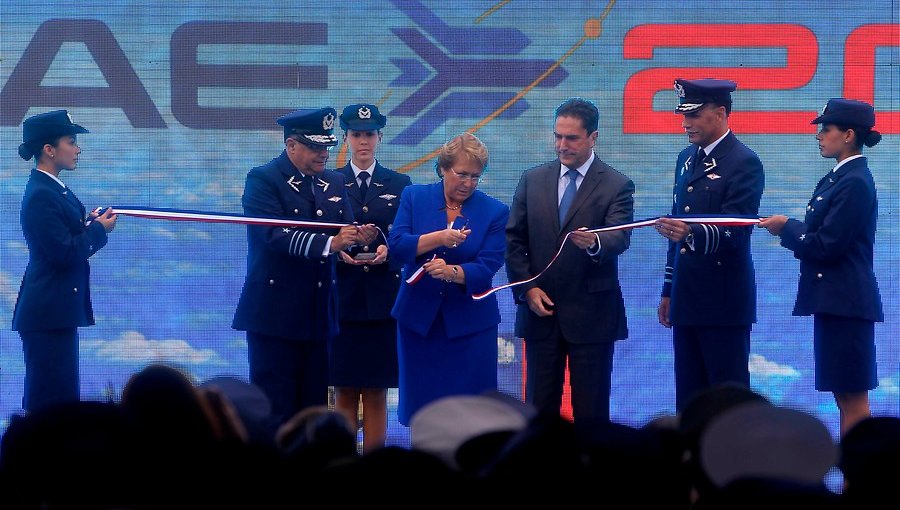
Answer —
709 166
323 184
295 184
378 184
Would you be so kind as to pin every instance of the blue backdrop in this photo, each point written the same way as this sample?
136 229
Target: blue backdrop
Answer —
181 99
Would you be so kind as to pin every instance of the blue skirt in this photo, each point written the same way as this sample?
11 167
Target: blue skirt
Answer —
364 355
845 354
434 366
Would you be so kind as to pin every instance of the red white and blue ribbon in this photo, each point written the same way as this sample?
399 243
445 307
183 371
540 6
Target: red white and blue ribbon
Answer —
208 217
417 275
722 221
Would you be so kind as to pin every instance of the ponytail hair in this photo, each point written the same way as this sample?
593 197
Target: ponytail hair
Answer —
872 138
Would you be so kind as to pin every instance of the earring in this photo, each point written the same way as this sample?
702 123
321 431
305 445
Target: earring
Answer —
52 156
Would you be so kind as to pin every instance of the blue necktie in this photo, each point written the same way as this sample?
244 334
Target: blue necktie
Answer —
568 196
364 179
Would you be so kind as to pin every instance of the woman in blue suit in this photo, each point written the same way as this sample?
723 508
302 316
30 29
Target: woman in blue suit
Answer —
835 244
446 341
55 297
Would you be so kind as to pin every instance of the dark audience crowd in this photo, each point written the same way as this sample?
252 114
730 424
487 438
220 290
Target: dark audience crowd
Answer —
171 443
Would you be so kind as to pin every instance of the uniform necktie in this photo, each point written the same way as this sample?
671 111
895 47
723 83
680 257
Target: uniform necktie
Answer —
701 155
568 196
364 183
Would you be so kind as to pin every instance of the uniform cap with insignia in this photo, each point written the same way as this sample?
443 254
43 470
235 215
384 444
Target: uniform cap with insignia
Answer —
313 125
693 94
44 128
362 117
847 112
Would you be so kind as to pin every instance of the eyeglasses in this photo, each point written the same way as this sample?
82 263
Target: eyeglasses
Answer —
311 146
468 177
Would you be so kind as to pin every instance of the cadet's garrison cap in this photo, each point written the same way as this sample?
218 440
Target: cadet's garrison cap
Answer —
45 127
847 112
362 117
314 125
693 94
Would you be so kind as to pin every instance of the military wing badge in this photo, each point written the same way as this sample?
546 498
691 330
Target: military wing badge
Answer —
295 184
334 199
387 196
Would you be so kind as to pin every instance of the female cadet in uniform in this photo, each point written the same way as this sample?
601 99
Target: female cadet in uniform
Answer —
446 341
363 356
54 299
835 244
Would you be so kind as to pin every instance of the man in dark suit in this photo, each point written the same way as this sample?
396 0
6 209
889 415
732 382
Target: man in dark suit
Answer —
364 354
575 310
55 297
709 290
288 303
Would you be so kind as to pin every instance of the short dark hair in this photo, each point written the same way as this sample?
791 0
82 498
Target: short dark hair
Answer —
721 101
582 109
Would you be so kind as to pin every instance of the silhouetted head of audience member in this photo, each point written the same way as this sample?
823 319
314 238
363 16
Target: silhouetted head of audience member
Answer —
254 411
870 460
626 462
546 453
72 455
316 438
706 405
786 453
697 414
168 409
467 431
374 471
771 494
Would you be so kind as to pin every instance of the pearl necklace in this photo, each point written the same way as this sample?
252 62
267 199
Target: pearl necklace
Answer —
451 207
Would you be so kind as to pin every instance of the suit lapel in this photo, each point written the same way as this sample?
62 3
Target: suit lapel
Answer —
550 199
65 193
833 177
711 164
350 183
588 184
437 206
379 176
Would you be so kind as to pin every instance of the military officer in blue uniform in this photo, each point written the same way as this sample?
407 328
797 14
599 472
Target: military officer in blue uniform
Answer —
363 355
835 244
55 296
709 289
288 305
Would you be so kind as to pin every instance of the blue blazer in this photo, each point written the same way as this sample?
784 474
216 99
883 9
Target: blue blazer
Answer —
422 210
288 291
368 292
55 291
835 244
713 283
